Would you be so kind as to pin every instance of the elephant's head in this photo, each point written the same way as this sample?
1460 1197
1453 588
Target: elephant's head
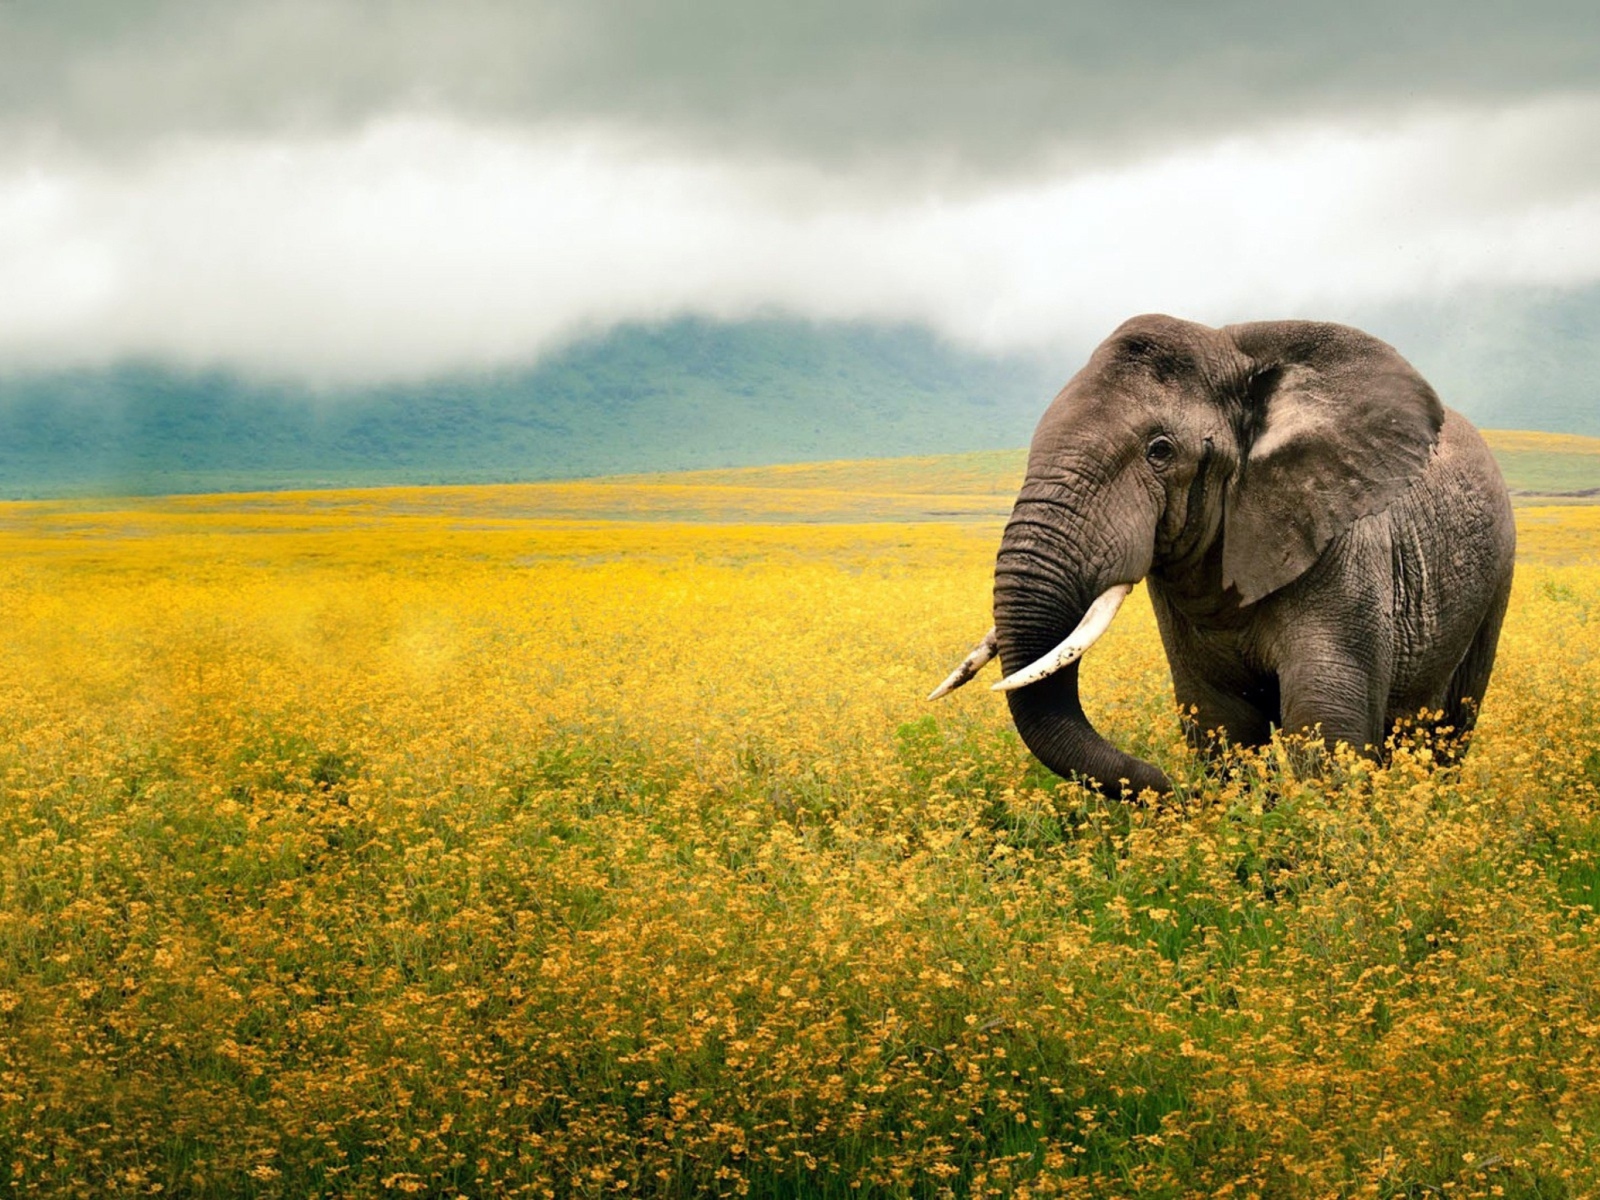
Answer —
1220 462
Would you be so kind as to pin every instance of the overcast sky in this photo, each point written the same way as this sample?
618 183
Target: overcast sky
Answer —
349 191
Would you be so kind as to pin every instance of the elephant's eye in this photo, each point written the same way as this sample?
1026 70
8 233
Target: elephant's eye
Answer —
1161 450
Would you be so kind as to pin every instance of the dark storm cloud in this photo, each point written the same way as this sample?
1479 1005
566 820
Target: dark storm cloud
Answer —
949 85
362 190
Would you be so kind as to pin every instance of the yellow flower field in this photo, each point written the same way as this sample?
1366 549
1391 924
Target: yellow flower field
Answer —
392 842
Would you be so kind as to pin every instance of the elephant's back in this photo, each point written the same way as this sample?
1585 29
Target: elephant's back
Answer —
1462 464
1453 540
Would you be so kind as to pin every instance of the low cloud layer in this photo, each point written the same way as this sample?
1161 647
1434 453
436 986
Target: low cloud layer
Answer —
418 245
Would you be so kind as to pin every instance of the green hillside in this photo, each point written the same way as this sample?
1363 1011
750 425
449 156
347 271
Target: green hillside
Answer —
686 395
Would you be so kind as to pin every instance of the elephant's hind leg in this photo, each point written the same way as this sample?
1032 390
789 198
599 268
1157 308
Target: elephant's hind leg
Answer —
1470 680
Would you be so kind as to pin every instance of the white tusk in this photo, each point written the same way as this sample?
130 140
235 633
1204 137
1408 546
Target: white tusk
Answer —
1095 622
970 666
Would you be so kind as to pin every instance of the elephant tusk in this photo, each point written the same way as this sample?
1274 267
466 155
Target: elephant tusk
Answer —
1095 622
970 666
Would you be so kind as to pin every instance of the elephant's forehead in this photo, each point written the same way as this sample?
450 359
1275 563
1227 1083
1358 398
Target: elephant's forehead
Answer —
1107 405
1156 353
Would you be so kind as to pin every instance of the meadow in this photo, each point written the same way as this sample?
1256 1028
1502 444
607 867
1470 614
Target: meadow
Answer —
458 841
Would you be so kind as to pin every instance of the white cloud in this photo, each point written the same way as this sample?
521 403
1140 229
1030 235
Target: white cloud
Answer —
425 245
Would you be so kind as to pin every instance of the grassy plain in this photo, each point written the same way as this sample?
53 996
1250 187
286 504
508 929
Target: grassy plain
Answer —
455 841
1547 464
1539 467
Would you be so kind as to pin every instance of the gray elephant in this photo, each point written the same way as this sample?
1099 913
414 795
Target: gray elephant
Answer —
1327 547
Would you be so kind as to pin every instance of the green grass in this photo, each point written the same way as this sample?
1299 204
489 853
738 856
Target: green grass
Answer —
1554 465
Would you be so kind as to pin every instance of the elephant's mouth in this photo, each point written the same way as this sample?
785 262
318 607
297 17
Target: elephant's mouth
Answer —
1043 696
1071 648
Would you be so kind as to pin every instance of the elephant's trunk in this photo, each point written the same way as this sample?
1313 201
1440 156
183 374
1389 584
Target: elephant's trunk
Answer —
1041 592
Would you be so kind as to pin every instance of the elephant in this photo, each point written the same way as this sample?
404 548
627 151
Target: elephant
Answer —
1326 547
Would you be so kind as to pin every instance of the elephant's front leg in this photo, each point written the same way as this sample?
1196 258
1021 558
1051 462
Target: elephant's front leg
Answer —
1332 641
1336 683
1223 698
1218 714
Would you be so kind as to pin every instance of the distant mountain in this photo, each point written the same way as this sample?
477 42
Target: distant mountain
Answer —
1527 359
681 395
690 394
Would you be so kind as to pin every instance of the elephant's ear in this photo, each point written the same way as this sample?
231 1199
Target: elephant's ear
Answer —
1336 425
